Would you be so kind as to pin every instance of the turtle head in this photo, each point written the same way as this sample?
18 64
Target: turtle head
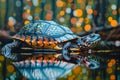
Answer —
88 62
91 63
88 40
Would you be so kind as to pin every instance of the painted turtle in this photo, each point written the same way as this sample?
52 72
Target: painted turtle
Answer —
49 34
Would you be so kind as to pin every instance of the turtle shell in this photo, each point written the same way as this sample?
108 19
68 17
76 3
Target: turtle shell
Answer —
44 33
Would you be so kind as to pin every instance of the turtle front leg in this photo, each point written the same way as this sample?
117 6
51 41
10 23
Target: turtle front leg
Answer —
6 50
65 52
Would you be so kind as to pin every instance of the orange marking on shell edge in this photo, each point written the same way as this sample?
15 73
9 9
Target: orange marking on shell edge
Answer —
34 41
46 42
28 40
45 60
40 59
52 43
40 42
22 38
52 60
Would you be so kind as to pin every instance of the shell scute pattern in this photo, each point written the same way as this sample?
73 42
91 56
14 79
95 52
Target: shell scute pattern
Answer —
54 31
41 28
25 29
41 32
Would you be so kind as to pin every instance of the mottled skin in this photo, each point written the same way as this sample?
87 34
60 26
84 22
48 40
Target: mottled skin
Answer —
49 34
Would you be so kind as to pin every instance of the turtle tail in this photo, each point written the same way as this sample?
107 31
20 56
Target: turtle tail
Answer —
5 37
6 50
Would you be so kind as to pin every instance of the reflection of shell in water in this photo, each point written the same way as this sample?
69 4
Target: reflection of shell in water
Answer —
43 69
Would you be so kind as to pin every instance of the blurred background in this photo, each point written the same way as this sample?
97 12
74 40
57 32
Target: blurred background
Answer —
82 17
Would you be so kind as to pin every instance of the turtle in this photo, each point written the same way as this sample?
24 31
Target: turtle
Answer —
49 34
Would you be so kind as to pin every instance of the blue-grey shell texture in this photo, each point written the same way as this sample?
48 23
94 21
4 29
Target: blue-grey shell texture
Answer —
48 29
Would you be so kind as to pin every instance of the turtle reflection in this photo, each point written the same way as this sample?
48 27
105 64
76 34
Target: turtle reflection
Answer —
45 67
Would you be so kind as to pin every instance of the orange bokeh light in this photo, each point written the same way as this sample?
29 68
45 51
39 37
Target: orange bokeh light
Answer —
77 70
81 19
110 19
112 77
114 12
95 12
78 12
79 1
87 20
109 70
73 29
73 20
28 11
114 23
89 11
11 23
10 68
110 64
113 61
59 3
25 15
48 16
87 27
70 78
62 13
